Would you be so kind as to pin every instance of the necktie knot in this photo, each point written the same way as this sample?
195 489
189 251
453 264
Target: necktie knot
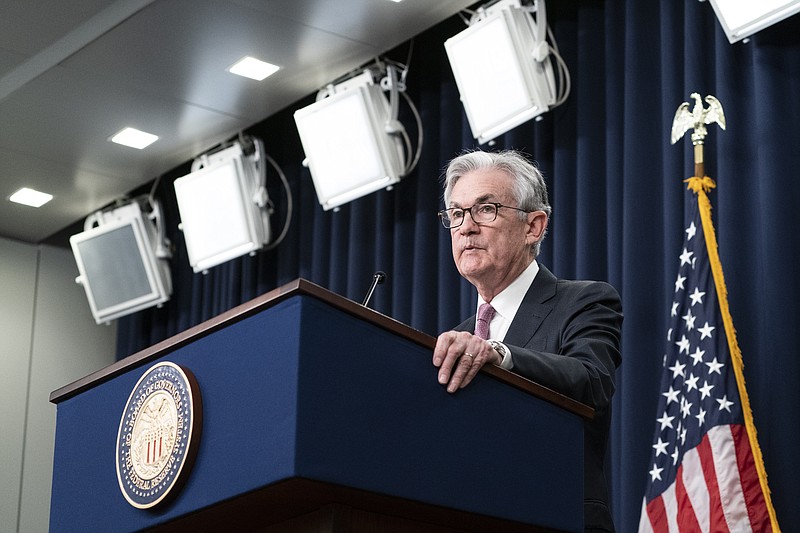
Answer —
485 315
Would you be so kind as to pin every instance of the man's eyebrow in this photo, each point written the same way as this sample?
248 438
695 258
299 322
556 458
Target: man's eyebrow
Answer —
479 200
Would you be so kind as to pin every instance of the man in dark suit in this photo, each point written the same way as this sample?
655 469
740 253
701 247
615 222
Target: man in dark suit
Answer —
562 334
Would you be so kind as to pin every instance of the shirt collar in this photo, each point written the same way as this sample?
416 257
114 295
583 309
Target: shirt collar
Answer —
507 302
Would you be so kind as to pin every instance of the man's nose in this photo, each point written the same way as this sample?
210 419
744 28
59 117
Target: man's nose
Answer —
468 225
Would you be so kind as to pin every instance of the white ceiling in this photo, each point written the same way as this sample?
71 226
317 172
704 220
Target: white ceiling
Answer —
75 72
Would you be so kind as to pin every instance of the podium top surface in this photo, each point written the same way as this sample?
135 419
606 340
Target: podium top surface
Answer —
302 287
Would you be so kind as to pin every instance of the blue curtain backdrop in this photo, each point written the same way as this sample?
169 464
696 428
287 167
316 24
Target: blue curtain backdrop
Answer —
617 192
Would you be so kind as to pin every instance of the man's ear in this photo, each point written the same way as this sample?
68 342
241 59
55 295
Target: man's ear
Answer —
537 225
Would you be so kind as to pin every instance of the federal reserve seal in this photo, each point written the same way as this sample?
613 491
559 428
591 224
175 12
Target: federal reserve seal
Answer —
158 434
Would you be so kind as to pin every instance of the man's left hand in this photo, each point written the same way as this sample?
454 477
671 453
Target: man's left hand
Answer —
459 355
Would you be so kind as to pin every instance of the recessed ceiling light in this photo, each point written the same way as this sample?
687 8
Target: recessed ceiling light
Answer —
253 68
134 138
30 197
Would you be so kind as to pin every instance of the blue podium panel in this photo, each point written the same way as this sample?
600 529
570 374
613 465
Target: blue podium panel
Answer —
372 404
303 390
247 376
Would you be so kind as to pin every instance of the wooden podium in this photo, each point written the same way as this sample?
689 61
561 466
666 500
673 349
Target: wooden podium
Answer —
319 414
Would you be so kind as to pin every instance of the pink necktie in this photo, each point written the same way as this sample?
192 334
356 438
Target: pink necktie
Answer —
485 314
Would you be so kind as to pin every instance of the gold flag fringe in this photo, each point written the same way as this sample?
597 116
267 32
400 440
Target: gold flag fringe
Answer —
701 186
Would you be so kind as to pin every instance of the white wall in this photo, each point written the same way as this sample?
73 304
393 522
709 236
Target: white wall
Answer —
48 339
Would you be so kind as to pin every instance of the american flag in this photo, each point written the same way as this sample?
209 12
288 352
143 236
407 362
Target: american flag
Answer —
706 471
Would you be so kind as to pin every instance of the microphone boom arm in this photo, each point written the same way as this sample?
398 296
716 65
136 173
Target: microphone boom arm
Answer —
377 278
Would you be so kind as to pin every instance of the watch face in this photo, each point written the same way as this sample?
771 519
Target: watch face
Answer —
499 348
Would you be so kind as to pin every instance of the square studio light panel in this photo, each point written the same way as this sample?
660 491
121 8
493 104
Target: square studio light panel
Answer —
500 83
119 266
741 19
348 149
219 217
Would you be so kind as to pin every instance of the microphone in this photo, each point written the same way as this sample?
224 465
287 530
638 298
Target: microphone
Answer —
377 278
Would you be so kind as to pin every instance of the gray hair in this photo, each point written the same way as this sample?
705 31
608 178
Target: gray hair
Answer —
529 188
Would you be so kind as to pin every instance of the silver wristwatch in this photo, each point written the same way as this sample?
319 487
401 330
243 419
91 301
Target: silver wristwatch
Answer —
500 348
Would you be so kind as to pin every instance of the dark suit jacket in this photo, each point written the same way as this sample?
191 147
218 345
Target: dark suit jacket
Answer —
566 336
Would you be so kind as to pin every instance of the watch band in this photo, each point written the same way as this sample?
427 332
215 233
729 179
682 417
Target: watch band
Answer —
500 348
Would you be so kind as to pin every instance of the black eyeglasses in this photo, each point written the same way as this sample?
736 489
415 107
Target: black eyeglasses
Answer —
480 213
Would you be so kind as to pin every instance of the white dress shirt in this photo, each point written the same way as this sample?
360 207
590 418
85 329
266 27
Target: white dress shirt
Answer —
506 304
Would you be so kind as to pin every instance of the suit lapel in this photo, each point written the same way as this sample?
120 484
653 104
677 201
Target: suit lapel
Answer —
533 309
467 325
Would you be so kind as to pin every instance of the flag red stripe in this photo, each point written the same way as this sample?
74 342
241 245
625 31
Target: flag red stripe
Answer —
687 520
696 488
751 486
658 515
715 511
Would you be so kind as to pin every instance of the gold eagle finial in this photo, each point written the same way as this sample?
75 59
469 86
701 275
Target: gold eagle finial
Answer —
697 118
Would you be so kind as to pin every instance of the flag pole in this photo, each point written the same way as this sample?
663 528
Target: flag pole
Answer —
701 184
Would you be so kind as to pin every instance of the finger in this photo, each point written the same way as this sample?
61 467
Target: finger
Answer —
449 364
443 343
484 354
471 373
477 363
460 371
